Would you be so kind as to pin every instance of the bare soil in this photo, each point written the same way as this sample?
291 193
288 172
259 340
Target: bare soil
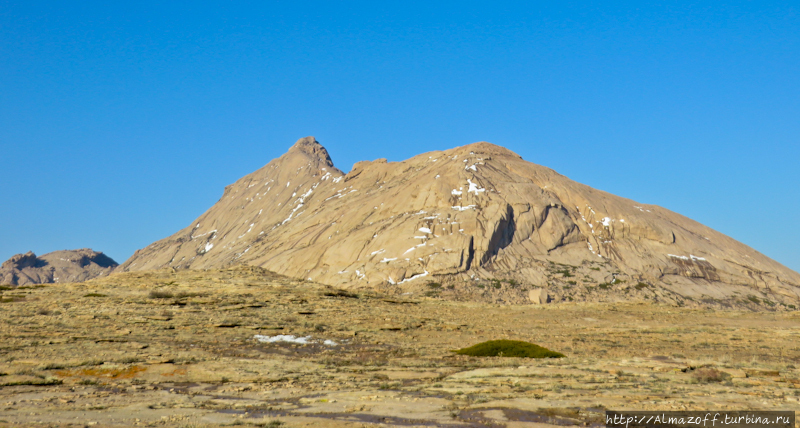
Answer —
164 348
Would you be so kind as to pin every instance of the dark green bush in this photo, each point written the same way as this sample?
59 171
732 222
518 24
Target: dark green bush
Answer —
508 348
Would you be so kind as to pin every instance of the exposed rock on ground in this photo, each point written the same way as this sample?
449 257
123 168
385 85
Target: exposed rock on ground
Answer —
187 349
58 266
471 218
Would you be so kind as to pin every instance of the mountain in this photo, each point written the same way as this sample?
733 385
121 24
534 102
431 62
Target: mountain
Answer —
473 222
58 266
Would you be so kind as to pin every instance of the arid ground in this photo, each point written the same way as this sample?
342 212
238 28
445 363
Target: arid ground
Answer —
179 348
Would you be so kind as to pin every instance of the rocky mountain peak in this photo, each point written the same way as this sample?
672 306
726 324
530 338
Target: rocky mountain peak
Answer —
59 266
20 261
478 220
311 148
485 148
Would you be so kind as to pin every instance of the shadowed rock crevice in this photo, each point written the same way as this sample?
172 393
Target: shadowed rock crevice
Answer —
470 254
501 236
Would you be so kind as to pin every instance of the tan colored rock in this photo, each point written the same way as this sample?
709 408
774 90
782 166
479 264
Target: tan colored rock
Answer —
735 373
466 217
538 296
761 372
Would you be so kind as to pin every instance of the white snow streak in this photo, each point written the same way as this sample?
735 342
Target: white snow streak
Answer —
419 275
473 187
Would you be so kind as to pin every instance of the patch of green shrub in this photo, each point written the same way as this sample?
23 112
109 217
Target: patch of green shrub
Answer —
508 348
95 295
604 286
640 286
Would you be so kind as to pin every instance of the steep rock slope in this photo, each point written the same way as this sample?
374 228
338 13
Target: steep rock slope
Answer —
478 219
58 266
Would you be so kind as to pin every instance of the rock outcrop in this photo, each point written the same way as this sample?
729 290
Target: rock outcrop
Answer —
477 221
58 266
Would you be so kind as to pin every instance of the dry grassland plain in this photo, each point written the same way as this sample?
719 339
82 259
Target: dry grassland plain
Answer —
164 348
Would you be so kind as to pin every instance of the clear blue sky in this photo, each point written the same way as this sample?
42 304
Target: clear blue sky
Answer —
121 122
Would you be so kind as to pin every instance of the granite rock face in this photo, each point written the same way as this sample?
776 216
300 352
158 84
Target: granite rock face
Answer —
477 220
58 266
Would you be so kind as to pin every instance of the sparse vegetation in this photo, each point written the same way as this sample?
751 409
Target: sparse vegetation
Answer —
508 348
340 293
161 294
385 346
166 294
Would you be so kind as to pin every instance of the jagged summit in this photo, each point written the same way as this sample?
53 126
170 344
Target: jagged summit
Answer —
466 218
58 266
309 146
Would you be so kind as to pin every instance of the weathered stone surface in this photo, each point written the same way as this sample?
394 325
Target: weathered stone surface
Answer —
477 219
92 347
58 266
538 296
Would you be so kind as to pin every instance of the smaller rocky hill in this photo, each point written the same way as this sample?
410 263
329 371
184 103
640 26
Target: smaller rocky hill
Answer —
58 266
